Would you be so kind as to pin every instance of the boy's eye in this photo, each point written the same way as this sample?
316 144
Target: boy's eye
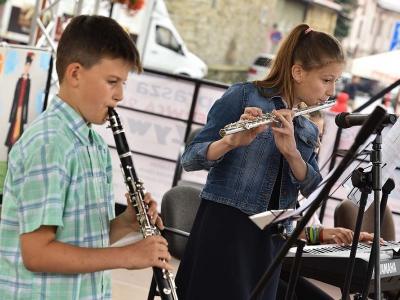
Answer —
112 82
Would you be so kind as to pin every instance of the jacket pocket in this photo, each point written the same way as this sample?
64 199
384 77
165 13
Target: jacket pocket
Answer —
308 140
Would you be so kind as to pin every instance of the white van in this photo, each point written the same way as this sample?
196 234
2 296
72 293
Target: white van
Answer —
159 43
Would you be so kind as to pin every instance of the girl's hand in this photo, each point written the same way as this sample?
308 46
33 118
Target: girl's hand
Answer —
284 135
369 238
338 235
245 137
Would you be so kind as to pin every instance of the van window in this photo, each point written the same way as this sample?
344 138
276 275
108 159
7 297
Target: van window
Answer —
165 38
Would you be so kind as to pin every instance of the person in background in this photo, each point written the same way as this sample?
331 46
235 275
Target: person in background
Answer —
58 218
256 170
351 89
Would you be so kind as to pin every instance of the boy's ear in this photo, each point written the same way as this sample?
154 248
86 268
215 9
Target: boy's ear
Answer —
72 74
297 72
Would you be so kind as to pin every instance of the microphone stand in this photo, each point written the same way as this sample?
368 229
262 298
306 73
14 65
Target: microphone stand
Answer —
364 183
366 130
376 157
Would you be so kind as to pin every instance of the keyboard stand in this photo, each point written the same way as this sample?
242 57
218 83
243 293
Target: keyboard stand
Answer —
295 269
386 190
363 182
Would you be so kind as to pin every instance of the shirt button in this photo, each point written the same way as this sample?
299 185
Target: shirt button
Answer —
285 192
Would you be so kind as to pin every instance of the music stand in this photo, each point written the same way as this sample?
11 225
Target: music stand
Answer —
339 132
366 130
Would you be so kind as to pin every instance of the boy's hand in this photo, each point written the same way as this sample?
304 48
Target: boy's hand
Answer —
154 218
152 212
149 252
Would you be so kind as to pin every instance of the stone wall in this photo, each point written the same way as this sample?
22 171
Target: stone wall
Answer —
222 32
228 34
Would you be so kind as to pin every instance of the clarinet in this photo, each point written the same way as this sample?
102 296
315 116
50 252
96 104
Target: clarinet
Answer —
164 278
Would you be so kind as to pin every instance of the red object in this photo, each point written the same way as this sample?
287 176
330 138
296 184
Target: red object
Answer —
386 101
252 71
132 6
321 236
341 103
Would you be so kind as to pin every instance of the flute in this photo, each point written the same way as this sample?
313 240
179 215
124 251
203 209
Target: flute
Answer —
266 118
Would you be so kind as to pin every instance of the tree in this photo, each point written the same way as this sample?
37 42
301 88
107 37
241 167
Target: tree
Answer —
343 20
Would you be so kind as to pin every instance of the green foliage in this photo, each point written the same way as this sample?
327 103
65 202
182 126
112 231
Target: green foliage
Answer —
3 1
343 21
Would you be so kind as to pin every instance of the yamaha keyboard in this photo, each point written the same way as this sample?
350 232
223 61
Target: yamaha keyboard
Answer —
328 263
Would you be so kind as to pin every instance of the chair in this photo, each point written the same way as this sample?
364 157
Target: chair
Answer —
345 215
178 168
179 207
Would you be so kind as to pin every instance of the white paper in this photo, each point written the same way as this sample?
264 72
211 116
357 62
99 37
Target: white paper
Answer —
390 160
265 218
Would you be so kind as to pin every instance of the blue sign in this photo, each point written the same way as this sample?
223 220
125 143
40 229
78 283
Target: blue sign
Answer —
395 44
276 37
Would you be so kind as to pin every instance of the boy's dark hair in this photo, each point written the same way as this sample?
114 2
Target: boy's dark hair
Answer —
306 47
88 39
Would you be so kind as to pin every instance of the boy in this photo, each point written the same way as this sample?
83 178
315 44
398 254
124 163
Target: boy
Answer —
58 215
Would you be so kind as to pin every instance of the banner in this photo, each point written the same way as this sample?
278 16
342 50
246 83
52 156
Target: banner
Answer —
156 112
23 76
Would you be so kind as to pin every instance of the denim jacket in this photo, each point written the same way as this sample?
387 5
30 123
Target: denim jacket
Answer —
245 176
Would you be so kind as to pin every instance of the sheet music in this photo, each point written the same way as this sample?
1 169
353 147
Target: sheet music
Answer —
265 218
390 160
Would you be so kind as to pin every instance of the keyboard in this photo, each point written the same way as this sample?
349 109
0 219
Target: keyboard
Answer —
328 263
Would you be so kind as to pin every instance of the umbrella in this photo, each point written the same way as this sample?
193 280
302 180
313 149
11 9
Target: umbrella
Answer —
383 67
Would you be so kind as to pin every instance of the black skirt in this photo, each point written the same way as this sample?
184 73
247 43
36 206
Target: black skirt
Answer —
226 256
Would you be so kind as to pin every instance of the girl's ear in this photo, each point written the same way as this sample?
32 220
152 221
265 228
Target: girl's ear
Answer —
297 73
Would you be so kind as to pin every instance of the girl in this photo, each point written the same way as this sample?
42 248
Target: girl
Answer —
256 170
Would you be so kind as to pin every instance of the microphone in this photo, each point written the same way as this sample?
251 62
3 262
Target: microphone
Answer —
346 120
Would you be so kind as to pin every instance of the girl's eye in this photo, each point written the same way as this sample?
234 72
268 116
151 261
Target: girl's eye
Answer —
112 82
327 80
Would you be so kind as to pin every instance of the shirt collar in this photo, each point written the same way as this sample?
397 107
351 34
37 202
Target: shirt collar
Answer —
72 120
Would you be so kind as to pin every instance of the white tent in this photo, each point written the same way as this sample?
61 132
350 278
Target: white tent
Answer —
384 67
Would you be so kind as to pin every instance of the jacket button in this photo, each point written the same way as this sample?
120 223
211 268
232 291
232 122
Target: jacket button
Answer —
285 192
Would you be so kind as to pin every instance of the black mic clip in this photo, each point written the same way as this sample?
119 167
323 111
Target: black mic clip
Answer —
362 180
